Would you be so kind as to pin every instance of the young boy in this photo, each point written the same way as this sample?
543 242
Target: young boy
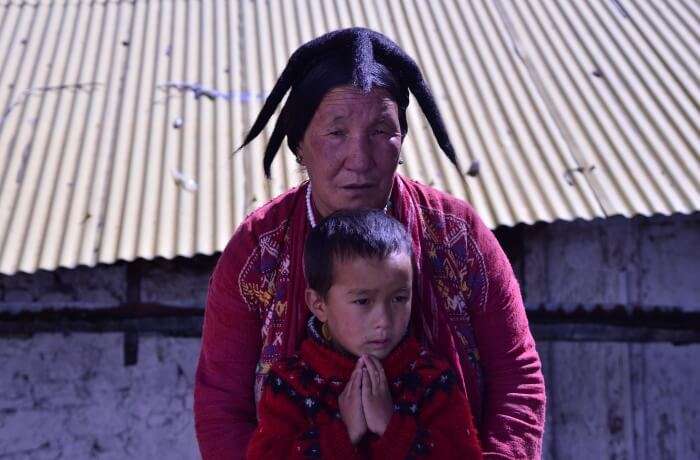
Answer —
361 387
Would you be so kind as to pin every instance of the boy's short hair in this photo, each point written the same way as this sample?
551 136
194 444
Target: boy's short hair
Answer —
343 235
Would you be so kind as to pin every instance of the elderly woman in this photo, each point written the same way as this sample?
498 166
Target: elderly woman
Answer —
345 120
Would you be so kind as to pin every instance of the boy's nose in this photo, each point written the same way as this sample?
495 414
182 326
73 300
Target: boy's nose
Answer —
383 318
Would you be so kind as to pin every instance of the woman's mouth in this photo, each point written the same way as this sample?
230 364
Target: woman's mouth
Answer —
358 186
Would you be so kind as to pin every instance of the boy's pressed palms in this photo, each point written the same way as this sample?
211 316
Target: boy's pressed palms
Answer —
376 398
350 405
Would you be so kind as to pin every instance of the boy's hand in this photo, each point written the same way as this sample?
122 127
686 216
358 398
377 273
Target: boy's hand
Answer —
350 404
376 399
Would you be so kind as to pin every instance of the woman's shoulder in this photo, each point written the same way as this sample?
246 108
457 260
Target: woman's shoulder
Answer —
274 212
446 216
450 225
266 221
264 227
437 202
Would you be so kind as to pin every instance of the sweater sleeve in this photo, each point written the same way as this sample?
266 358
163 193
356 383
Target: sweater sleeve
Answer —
514 404
286 432
224 404
443 429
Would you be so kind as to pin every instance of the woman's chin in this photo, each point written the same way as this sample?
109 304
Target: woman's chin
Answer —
362 201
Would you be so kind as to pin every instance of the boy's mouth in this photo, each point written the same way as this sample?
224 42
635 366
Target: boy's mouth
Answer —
379 343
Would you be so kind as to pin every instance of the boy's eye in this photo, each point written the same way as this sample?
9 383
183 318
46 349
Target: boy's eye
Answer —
361 301
336 133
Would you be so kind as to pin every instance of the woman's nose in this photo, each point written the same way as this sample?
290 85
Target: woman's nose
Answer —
359 157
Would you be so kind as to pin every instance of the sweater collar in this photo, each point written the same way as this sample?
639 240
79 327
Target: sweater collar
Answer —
331 363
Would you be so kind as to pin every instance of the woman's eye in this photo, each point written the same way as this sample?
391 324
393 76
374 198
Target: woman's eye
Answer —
336 133
401 299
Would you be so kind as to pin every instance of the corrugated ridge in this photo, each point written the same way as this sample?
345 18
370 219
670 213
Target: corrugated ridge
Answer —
119 120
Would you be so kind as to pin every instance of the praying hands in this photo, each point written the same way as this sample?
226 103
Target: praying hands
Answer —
365 403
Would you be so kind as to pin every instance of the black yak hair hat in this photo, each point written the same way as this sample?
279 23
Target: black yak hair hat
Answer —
356 56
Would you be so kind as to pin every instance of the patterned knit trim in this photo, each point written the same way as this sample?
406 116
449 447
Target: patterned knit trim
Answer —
313 405
445 382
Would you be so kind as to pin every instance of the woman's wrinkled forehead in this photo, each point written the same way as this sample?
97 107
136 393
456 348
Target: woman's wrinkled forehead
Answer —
343 102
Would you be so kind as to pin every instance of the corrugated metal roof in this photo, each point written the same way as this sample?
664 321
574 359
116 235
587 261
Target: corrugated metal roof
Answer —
118 119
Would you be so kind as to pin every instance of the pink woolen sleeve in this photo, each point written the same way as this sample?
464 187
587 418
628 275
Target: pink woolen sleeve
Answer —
224 401
514 401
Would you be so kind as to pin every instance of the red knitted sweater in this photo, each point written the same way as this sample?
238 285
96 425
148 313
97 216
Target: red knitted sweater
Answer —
299 415
467 308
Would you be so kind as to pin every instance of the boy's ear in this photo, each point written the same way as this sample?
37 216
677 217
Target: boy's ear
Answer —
316 304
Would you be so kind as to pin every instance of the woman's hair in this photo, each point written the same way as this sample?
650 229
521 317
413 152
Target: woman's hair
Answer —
343 235
356 56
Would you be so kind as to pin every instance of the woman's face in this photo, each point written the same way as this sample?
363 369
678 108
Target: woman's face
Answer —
351 149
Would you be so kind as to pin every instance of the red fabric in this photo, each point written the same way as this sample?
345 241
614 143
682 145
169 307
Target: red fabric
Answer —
299 409
468 308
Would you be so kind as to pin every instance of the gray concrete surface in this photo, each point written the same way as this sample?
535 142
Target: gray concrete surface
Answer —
70 396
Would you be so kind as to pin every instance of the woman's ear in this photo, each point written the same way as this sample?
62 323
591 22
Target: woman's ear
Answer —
299 154
316 304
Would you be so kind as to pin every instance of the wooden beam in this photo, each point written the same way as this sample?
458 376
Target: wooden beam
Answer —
589 324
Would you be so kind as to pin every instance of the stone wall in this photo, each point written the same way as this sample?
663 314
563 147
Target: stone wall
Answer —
645 262
621 401
70 395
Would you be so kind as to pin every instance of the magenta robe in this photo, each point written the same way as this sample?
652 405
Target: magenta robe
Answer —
467 307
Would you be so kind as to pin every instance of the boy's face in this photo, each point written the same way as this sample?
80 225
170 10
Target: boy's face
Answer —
368 306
